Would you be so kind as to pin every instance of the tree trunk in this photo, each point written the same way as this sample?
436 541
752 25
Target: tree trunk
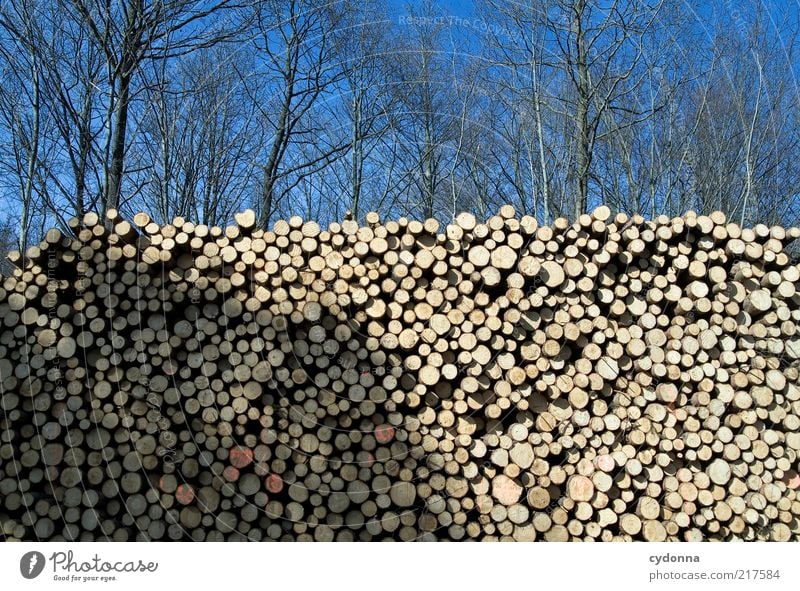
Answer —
118 144
357 156
536 97
84 148
278 145
584 155
267 192
33 156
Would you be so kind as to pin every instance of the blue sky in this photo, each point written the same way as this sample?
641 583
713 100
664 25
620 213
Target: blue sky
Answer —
455 7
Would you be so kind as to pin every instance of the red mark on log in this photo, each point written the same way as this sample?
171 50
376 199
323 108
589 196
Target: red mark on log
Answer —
384 433
274 483
185 494
230 474
241 457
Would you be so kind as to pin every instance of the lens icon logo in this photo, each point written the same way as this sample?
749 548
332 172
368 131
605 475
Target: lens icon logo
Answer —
31 564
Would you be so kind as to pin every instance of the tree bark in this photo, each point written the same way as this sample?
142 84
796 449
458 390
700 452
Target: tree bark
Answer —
33 156
118 144
584 155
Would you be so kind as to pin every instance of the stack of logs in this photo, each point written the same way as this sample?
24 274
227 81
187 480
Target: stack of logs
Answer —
613 379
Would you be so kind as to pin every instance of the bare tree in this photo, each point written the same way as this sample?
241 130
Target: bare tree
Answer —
364 49
197 139
516 50
744 154
570 60
426 98
8 242
63 86
327 107
21 103
293 66
129 34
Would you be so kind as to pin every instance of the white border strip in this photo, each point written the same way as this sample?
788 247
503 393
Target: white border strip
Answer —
404 567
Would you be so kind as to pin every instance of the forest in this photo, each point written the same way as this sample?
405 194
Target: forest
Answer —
200 109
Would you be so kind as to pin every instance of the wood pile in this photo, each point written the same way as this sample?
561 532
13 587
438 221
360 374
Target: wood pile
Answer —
613 379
